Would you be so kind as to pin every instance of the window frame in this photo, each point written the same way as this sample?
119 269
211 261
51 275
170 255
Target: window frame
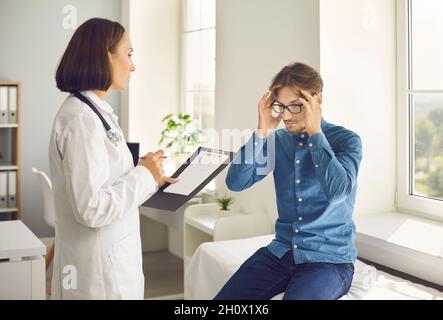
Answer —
406 201
183 89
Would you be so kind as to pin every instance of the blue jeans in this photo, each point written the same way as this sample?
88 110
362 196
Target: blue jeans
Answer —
264 275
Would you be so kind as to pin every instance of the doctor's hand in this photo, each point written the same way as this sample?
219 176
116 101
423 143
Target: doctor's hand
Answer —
154 163
266 122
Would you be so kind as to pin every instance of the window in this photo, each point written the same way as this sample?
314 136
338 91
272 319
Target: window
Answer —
420 109
198 81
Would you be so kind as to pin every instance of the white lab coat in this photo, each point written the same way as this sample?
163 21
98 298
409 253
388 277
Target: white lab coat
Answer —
97 192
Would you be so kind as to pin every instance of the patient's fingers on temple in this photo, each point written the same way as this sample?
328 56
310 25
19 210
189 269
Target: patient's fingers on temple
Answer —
308 107
308 97
262 100
265 102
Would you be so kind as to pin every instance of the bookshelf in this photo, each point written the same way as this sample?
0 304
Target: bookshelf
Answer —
10 148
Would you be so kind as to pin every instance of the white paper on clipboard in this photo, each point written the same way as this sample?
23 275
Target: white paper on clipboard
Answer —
198 171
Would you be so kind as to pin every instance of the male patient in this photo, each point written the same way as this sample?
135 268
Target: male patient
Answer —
315 166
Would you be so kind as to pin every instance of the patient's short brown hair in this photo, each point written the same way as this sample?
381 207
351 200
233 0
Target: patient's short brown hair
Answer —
85 64
298 75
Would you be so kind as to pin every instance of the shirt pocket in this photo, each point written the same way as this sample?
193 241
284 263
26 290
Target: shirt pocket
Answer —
126 260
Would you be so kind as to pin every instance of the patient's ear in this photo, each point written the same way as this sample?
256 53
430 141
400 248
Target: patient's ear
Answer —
319 98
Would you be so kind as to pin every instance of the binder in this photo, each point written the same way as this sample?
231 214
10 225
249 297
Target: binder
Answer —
12 191
3 105
12 117
3 189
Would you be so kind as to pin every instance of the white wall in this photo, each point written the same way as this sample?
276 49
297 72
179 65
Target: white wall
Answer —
154 91
353 44
255 39
32 40
358 64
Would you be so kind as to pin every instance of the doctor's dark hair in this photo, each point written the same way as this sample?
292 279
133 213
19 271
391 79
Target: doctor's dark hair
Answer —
297 75
85 64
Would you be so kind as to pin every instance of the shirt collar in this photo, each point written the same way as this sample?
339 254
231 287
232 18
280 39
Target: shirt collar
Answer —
99 103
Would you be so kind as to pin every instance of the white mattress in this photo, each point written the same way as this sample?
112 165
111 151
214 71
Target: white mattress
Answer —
214 263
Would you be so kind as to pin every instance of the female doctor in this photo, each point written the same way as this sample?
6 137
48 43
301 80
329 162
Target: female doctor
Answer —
97 190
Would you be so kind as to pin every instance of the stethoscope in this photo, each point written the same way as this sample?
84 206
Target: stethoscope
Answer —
113 136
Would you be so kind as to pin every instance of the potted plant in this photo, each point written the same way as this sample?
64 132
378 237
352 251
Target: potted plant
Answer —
180 135
224 205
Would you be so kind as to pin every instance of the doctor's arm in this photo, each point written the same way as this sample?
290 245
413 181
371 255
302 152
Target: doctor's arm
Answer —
95 196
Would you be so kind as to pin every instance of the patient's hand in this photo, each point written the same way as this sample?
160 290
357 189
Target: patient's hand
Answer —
266 122
313 112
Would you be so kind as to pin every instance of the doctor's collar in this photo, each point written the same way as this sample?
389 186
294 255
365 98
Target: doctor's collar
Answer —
99 103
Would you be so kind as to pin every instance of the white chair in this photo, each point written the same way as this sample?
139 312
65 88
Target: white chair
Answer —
49 208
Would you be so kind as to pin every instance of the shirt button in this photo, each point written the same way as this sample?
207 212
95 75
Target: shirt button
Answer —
310 145
302 135
296 230
300 218
297 162
300 144
316 165
298 181
256 143
295 246
300 199
246 162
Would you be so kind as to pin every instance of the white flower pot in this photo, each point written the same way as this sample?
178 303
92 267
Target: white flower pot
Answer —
224 213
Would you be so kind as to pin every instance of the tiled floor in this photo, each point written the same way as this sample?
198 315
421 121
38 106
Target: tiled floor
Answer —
163 274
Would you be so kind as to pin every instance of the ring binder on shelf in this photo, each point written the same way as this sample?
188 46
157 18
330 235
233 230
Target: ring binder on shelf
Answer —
12 190
3 105
12 116
3 189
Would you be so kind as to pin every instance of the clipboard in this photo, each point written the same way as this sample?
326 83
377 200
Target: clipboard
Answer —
171 201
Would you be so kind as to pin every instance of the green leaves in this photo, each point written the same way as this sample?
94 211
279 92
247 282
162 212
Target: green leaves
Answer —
180 131
428 154
225 202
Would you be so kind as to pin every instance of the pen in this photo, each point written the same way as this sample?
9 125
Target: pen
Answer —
144 158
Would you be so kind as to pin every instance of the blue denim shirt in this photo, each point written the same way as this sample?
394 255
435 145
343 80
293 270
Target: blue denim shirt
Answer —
315 182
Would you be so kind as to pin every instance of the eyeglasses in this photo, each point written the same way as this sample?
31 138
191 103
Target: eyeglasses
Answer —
293 108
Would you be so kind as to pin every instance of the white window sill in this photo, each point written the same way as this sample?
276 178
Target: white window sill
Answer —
403 242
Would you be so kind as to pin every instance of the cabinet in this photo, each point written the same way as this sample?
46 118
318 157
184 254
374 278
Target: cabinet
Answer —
203 223
22 266
10 106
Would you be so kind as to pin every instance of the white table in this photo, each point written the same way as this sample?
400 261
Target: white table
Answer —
22 266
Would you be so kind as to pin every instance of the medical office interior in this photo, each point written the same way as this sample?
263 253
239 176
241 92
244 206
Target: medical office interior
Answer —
205 64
